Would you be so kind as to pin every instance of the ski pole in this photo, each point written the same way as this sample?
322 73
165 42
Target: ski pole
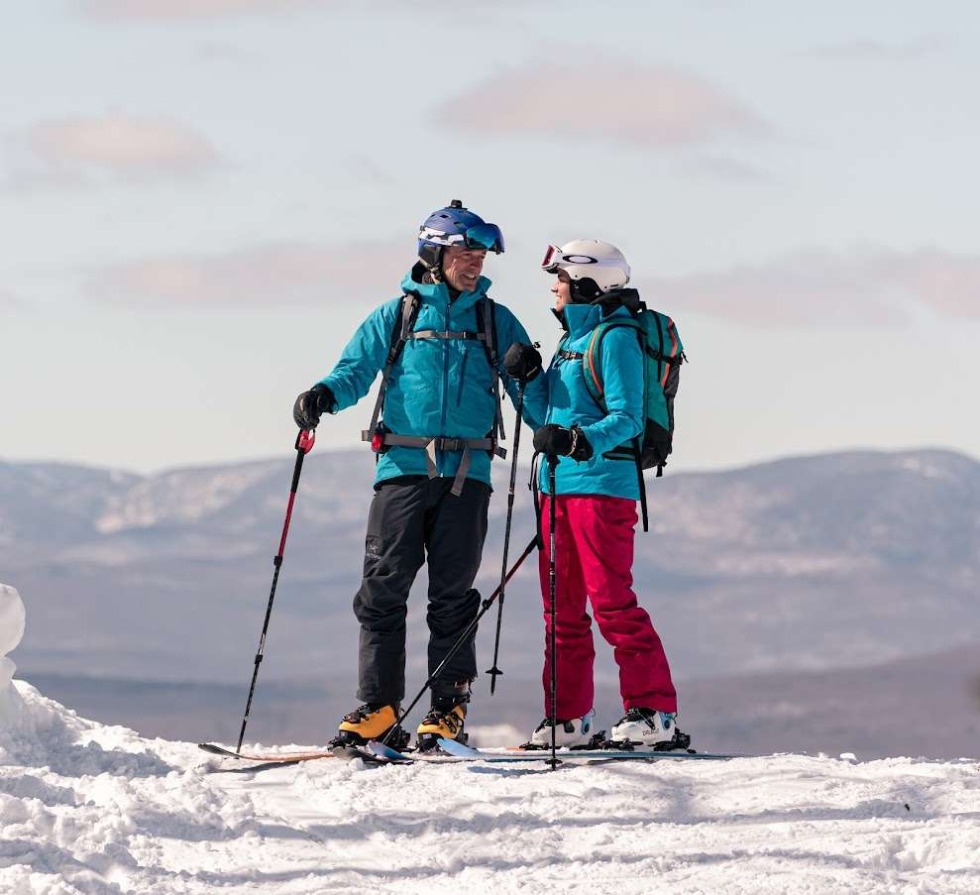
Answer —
463 638
304 444
552 586
494 671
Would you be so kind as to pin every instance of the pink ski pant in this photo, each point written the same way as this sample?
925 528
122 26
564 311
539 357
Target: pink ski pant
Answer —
594 562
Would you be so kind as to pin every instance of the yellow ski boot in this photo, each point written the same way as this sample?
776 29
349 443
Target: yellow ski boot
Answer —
368 722
442 723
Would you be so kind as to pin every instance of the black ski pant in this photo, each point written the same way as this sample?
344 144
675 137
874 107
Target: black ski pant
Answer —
414 519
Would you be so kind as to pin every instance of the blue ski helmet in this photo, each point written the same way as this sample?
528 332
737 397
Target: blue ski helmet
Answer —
456 225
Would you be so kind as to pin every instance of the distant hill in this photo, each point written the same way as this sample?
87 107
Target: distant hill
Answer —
812 563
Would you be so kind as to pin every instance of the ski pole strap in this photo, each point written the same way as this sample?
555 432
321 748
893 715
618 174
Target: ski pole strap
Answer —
536 498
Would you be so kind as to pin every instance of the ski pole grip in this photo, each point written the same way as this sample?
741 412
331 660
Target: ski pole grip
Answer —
304 441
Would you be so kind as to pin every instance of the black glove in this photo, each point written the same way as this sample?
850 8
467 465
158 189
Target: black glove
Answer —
558 441
310 405
523 362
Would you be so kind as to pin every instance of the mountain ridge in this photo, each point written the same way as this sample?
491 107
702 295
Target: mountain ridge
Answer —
826 561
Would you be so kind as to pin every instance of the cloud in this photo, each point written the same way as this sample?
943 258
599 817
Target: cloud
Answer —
9 301
659 107
875 51
948 284
805 288
155 10
119 145
721 168
814 287
181 10
272 275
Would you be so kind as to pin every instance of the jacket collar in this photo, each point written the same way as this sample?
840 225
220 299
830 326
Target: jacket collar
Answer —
582 319
437 294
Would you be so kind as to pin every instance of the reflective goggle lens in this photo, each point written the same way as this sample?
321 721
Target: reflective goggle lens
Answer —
552 256
484 236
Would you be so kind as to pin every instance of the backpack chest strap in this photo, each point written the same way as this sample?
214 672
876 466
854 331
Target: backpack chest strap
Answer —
445 334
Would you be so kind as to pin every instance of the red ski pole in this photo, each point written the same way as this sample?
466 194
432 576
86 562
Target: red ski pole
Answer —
304 444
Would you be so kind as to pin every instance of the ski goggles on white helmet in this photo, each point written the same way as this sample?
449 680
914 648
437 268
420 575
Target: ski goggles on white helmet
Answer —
554 258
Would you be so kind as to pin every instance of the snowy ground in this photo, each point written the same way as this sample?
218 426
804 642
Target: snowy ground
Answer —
91 809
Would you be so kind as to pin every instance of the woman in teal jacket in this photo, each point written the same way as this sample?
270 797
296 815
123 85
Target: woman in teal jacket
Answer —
437 350
596 489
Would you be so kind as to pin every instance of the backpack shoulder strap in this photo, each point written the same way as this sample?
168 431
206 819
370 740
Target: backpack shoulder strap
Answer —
592 357
404 324
486 324
592 367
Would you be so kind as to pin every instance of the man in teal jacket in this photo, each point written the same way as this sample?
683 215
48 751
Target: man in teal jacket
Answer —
436 347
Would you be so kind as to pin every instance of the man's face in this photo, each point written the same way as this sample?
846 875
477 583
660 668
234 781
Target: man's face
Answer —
462 267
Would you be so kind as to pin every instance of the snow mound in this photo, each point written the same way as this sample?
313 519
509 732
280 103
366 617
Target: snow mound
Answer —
12 619
99 810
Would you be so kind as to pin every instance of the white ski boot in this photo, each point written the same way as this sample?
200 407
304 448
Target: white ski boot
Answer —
646 727
568 734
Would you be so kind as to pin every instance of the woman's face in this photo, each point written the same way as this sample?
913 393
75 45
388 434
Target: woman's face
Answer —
562 290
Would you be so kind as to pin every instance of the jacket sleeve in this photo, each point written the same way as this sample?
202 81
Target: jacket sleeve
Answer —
622 375
363 357
508 330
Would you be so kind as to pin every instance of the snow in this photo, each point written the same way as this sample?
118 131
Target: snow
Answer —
12 619
92 809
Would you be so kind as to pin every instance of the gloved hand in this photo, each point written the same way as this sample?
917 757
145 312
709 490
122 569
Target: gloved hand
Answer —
555 440
310 405
523 362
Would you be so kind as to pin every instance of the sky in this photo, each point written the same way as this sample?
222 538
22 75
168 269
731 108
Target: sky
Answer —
201 199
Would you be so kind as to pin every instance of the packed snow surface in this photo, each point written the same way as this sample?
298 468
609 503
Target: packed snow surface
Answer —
86 808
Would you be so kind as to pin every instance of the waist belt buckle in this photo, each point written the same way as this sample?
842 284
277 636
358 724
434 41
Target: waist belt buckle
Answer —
378 440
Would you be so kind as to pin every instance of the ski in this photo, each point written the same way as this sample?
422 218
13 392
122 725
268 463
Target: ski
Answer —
468 753
451 752
268 757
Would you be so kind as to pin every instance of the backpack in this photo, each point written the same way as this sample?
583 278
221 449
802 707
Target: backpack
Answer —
663 355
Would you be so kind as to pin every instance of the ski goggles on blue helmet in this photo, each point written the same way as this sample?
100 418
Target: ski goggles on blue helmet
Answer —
479 237
482 236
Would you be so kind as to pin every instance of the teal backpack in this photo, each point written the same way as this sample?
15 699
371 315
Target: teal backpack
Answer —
663 353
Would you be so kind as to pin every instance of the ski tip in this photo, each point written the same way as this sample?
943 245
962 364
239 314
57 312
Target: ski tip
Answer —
215 749
383 750
454 747
351 752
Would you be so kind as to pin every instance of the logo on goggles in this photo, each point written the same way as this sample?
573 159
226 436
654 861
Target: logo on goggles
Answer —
553 259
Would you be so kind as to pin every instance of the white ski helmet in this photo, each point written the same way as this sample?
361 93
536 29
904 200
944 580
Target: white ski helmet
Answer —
589 259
